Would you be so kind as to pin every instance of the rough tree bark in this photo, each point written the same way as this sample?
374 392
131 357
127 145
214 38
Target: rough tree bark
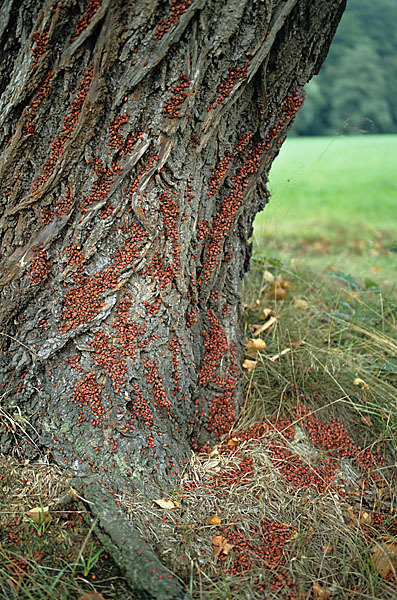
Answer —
136 138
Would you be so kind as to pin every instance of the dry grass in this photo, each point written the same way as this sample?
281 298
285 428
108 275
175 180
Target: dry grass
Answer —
49 562
335 353
331 348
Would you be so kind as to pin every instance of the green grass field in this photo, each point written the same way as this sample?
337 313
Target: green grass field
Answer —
334 205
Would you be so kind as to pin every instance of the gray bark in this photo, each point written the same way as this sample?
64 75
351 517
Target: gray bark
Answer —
136 138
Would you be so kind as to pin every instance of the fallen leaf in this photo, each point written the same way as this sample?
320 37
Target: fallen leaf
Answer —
279 293
282 283
319 592
267 276
215 520
361 517
384 557
265 326
327 549
249 364
257 344
164 503
215 450
91 596
221 545
232 442
266 313
39 514
300 303
361 383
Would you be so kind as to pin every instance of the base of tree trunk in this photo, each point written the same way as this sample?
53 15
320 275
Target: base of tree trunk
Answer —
140 565
136 140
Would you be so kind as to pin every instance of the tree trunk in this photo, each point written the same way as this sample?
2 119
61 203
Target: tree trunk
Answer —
136 138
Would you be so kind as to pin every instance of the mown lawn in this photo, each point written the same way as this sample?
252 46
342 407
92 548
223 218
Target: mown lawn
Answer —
334 205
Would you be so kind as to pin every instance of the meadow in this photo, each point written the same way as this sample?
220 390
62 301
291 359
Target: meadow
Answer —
334 205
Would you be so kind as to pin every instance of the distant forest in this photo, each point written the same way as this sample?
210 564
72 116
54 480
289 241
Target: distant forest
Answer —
356 90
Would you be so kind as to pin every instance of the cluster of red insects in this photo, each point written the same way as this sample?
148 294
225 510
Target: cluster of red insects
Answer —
145 170
180 92
222 404
69 124
225 87
178 7
226 214
116 140
154 379
30 112
85 300
266 545
85 20
216 346
87 396
39 266
62 206
40 43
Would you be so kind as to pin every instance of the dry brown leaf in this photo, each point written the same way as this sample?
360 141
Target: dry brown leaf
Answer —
91 596
215 520
361 383
301 304
266 313
259 329
267 276
360 518
39 514
327 549
221 545
319 592
384 557
249 364
165 503
215 450
257 344
279 293
232 442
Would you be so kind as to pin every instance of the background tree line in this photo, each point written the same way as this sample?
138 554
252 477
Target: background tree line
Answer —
356 89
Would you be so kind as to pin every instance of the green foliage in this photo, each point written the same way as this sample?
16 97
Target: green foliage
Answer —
357 86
